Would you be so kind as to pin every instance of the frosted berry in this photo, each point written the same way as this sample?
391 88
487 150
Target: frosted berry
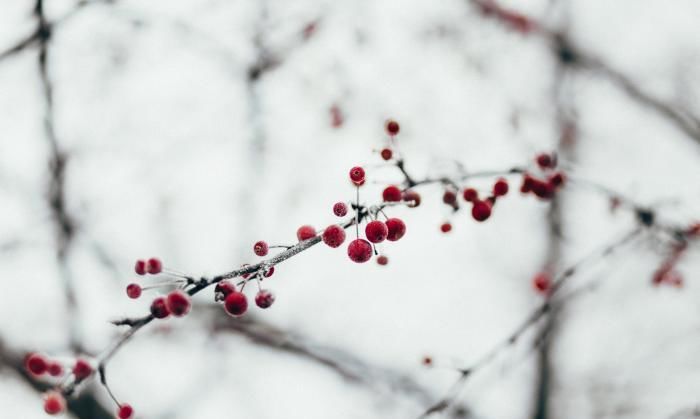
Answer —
396 229
268 273
386 153
305 232
557 179
236 303
340 209
412 198
334 235
542 282
527 183
154 266
500 188
133 291
382 260
360 250
391 194
223 289
55 369
261 248
54 403
125 411
392 127
376 231
264 299
36 364
544 190
449 198
140 267
446 227
481 210
82 369
470 194
159 308
357 175
545 161
178 303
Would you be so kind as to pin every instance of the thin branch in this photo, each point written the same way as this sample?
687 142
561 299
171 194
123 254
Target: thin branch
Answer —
531 320
571 55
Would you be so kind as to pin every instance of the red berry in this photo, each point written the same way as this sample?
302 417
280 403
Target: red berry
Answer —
557 179
261 248
305 232
387 154
376 231
412 198
82 369
396 229
481 210
500 188
357 175
159 308
693 230
178 303
269 272
54 403
154 266
336 117
334 235
125 411
340 209
392 127
236 303
446 227
449 198
140 267
382 260
527 183
391 194
36 364
359 250
55 369
544 190
545 161
133 291
542 282
223 289
264 299
470 194
427 361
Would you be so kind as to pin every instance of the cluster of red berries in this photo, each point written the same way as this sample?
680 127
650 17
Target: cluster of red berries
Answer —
39 365
481 208
54 402
376 231
176 303
546 187
151 266
235 301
